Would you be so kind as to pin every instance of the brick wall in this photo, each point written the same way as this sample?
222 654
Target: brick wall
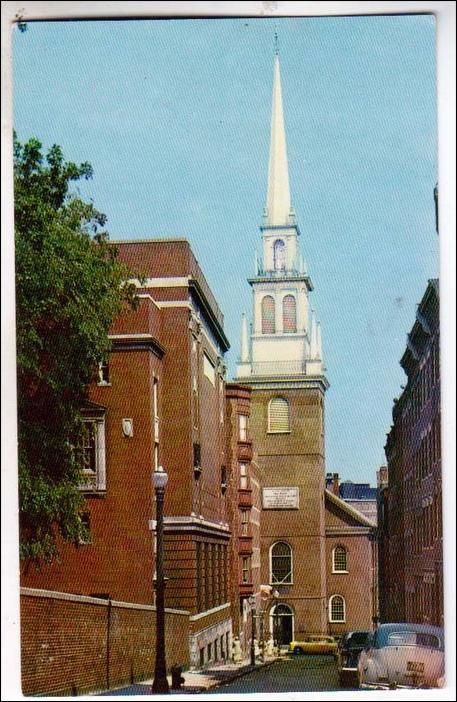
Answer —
72 645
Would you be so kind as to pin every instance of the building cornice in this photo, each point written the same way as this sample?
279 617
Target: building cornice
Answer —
196 525
136 342
292 278
197 291
289 382
348 531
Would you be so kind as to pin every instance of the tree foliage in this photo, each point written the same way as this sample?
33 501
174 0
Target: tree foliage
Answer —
70 286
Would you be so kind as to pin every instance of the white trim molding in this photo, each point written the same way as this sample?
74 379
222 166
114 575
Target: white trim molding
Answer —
330 616
270 558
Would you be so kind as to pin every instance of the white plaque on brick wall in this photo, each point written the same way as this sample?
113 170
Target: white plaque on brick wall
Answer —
280 498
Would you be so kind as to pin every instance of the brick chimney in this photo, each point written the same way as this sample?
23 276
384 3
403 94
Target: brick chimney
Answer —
336 484
382 476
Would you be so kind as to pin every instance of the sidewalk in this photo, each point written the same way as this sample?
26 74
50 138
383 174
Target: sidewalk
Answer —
197 681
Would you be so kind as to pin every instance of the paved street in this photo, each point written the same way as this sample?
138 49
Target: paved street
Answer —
296 674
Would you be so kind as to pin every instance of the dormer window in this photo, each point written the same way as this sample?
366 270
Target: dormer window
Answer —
279 255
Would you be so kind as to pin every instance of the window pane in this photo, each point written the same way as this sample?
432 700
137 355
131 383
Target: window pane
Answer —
268 315
281 563
337 609
289 314
87 448
208 369
279 254
278 415
339 558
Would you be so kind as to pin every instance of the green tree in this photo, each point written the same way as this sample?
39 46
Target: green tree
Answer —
70 286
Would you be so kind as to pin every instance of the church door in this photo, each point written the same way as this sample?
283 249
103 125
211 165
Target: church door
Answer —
282 624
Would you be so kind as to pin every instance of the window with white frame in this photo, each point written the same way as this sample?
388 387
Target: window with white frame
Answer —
337 608
280 563
243 476
340 560
243 427
103 373
278 416
246 569
209 370
90 454
268 315
279 255
289 314
244 522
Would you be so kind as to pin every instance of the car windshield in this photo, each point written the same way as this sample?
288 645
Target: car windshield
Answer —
413 638
358 639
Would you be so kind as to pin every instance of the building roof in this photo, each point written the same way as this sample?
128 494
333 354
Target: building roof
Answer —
354 513
357 491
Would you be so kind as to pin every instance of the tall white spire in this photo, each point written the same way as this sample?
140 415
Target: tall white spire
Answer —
278 196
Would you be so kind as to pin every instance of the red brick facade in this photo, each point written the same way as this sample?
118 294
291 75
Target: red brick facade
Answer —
72 645
244 505
161 401
411 588
355 582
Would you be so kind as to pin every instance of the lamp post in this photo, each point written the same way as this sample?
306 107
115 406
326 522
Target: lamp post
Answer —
251 601
160 684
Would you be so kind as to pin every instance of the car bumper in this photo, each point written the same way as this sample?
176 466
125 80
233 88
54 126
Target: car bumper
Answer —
383 686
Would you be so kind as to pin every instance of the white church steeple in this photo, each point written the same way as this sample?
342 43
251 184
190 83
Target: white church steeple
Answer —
277 210
284 340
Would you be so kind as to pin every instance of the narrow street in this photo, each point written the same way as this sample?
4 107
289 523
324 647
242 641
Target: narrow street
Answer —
296 674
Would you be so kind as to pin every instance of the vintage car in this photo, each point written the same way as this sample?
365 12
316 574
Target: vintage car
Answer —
315 643
350 647
403 655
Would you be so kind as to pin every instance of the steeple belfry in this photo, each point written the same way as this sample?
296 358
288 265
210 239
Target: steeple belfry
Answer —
278 196
284 342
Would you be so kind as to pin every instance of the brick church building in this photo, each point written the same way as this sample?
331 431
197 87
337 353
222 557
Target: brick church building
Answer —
316 550
246 505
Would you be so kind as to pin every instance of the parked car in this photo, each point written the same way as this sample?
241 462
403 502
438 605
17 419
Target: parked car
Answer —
350 647
403 655
323 645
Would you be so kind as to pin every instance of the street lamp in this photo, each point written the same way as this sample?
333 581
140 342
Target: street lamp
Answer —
251 601
160 684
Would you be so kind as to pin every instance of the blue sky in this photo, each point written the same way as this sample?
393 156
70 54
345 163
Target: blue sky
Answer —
175 116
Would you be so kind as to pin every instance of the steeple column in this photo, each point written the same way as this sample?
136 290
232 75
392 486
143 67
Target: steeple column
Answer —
278 313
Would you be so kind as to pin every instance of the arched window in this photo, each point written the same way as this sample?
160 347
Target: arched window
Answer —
340 560
268 315
280 563
289 315
279 255
278 416
337 609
